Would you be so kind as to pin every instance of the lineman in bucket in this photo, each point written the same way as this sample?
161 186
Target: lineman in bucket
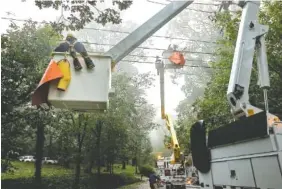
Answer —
72 46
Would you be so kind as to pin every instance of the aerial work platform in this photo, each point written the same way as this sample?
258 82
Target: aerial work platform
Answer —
87 90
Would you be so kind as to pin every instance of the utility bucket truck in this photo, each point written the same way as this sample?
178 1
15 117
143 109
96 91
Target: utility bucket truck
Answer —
247 153
89 90
174 173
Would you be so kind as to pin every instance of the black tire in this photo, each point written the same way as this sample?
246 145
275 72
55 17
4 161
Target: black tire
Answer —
200 152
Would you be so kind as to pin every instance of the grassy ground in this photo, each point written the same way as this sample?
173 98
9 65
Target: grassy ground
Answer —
26 170
57 177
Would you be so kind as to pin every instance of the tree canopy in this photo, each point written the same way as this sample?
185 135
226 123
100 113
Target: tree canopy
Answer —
81 13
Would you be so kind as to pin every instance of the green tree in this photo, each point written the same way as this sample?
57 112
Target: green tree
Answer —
114 135
25 52
82 13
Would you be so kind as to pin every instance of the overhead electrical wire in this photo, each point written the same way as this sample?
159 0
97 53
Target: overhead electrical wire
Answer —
116 31
149 48
156 36
197 10
209 4
148 56
22 20
192 66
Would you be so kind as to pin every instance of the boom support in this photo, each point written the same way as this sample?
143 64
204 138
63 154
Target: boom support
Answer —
250 37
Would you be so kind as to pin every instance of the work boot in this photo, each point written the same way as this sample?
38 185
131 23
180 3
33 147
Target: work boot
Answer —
77 65
89 63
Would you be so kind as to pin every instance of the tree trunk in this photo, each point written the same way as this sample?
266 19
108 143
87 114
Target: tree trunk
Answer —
136 166
39 153
90 166
99 162
77 166
133 163
108 166
123 164
66 161
112 168
80 139
77 173
50 150
98 144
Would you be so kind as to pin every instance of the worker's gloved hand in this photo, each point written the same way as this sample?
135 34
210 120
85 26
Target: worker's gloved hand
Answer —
77 65
89 63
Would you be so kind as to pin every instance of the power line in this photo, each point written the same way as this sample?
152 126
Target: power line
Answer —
22 20
116 31
207 4
145 56
156 36
195 3
148 48
191 66
148 56
197 10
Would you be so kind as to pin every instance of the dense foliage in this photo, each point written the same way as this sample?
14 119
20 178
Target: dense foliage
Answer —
146 170
81 13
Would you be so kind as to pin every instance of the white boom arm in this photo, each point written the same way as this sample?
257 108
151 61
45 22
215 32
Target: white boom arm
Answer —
137 37
250 37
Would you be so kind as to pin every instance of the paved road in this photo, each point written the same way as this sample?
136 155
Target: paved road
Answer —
145 185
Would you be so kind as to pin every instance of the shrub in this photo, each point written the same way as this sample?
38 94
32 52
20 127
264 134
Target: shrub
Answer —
146 170
6 166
